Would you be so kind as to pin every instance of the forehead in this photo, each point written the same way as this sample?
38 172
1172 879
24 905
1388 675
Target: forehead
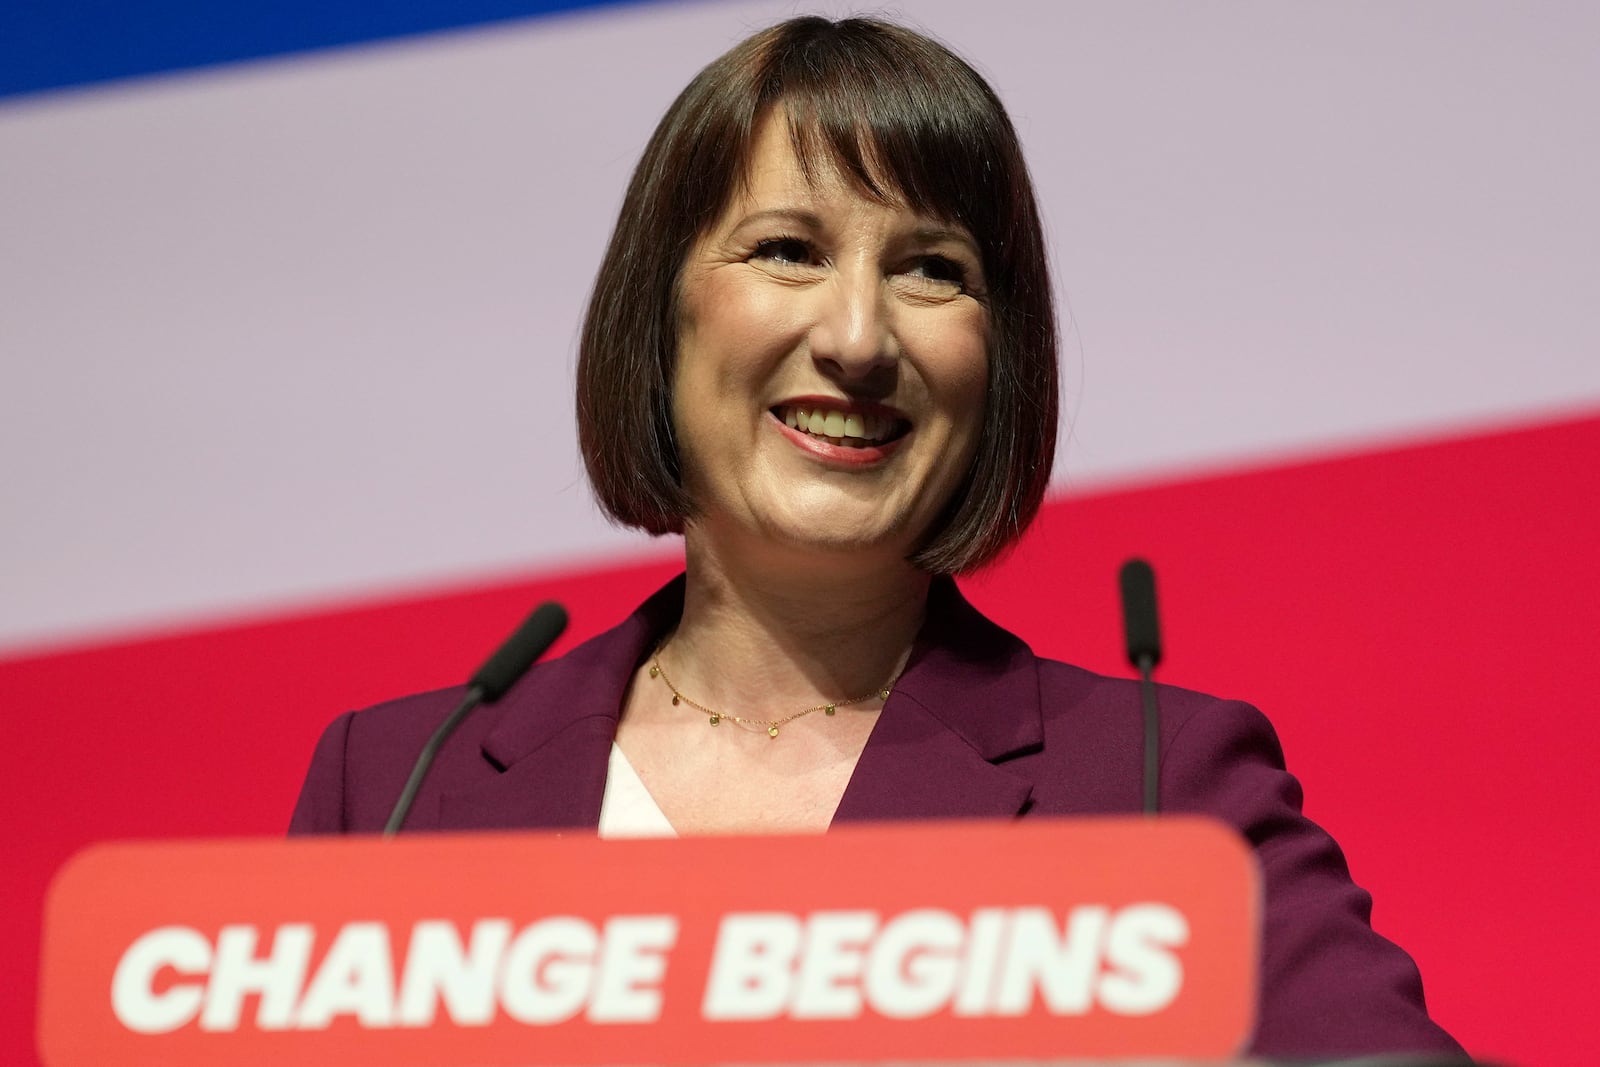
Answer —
789 161
773 164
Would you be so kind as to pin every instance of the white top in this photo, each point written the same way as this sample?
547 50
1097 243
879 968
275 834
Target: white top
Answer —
628 809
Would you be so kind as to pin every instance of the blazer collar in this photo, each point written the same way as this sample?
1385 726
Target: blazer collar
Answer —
552 741
967 701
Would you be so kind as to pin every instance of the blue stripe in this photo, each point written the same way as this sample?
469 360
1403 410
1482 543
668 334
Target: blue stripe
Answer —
52 44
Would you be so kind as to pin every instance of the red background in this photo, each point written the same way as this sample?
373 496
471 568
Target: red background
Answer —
1419 622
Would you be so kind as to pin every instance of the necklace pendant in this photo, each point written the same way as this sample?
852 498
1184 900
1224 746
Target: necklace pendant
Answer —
674 699
772 731
827 709
715 718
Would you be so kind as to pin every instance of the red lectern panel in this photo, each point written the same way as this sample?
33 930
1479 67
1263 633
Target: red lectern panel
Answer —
1093 939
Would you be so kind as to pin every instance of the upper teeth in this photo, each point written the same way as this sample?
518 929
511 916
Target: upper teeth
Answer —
825 422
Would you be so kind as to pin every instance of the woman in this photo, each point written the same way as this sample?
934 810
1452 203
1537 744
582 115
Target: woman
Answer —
822 348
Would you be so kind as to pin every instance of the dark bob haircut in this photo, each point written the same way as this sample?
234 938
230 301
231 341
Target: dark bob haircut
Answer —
903 119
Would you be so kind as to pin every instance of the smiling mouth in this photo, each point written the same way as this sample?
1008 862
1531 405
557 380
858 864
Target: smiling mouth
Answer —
851 429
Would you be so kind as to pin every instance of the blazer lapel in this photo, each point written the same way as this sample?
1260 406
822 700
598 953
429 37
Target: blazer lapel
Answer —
551 745
967 702
558 785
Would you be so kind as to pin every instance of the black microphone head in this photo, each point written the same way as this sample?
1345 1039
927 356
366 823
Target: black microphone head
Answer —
512 659
1139 618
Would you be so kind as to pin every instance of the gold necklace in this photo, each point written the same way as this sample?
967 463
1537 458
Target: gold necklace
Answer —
771 724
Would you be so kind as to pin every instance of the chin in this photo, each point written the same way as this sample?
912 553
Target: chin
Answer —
843 539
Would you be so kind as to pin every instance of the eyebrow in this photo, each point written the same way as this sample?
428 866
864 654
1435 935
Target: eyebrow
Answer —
922 234
782 214
935 234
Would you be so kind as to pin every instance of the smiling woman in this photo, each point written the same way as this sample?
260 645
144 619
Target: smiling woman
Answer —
808 298
822 348
856 111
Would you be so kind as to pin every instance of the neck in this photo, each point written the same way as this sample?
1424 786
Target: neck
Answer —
769 631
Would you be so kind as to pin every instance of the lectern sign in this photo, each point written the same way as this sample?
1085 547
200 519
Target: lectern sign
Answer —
1084 939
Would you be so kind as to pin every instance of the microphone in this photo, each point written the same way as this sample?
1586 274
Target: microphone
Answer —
498 674
512 659
1143 630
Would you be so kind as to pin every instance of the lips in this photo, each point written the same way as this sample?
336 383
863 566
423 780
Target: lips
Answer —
849 427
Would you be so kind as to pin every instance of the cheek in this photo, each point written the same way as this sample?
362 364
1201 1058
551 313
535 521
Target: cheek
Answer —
967 401
732 310
705 336
971 379
959 376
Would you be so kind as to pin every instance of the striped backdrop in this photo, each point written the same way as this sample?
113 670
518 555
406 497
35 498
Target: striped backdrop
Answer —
290 302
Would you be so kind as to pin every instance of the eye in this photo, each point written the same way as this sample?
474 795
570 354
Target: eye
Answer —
939 269
783 250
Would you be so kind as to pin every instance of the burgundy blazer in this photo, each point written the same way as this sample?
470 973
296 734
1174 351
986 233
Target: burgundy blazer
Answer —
977 726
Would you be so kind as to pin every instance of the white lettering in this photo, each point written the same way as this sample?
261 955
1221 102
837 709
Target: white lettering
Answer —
764 965
982 963
1145 975
914 965
439 968
133 997
1062 970
752 966
828 983
632 964
356 978
549 971
236 973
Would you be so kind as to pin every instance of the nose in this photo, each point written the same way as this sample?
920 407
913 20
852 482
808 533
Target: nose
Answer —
853 341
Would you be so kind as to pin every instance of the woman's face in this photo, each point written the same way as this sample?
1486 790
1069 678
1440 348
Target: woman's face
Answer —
832 362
